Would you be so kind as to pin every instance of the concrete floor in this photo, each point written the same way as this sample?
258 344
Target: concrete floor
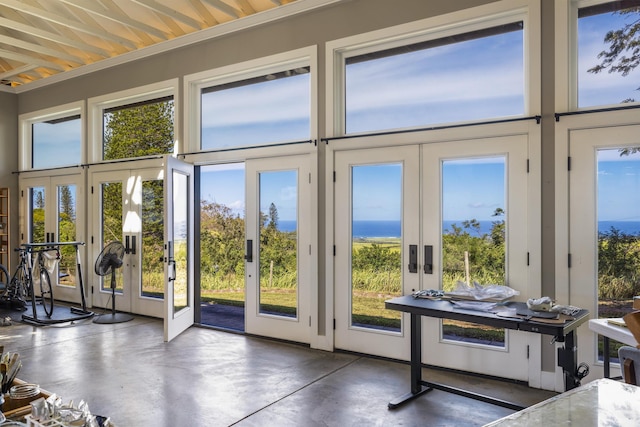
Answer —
213 378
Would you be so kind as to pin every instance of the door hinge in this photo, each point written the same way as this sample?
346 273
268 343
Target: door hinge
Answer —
92 290
569 260
92 189
334 324
527 351
334 176
309 178
22 193
527 165
309 249
569 163
91 239
527 258
309 321
334 250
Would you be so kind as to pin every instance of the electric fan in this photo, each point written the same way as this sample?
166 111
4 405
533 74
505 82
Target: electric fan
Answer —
108 261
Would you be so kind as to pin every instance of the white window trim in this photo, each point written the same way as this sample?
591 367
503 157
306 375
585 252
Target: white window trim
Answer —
25 149
485 16
97 105
194 83
566 54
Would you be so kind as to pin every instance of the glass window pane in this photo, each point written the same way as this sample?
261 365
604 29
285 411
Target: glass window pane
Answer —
603 75
278 247
56 143
376 258
138 130
473 236
268 109
471 76
618 234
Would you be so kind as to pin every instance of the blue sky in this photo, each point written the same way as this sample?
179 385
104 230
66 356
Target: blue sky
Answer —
471 80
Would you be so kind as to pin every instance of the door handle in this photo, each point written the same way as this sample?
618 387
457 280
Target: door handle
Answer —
133 245
428 259
249 255
413 258
127 250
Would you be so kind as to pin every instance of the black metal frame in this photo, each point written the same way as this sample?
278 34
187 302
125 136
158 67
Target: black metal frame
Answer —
417 307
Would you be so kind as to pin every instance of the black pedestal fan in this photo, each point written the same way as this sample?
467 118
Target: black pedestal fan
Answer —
108 261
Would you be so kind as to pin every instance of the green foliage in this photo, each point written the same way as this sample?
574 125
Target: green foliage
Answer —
486 253
623 54
618 265
139 131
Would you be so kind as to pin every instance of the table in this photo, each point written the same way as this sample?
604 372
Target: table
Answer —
418 307
608 332
602 402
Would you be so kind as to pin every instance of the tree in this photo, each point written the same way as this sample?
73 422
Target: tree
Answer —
623 55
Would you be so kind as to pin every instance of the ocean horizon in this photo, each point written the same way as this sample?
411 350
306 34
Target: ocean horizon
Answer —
373 229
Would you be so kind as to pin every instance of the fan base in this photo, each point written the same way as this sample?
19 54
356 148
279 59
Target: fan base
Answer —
112 318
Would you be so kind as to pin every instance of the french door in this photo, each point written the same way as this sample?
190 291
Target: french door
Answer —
52 210
427 217
604 229
127 207
178 248
278 248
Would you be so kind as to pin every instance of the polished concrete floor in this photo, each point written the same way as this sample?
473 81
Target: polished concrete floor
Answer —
208 377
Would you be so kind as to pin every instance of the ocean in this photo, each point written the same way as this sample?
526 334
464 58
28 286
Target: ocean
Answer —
371 229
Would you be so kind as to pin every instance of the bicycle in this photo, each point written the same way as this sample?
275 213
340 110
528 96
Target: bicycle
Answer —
22 282
17 291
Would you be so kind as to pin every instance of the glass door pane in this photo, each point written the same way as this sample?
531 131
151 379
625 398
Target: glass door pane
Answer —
376 258
618 221
473 236
152 232
37 199
66 232
278 246
180 239
111 214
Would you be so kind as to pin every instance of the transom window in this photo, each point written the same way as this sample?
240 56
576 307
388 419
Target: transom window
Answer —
608 55
462 77
56 142
271 108
139 129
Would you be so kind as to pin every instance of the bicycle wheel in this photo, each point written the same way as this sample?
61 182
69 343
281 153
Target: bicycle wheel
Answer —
46 291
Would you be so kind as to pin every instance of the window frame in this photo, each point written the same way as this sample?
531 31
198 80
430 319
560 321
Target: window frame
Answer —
25 138
195 83
460 22
97 106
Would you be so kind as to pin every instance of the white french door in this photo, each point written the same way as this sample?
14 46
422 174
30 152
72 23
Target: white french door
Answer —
604 229
423 217
178 256
375 187
277 259
52 210
475 196
127 206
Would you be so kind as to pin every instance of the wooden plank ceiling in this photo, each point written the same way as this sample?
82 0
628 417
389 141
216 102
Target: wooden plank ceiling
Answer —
42 38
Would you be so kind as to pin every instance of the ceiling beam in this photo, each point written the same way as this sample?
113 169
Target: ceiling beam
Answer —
171 13
113 14
20 44
204 13
246 7
56 38
68 23
15 71
30 59
225 8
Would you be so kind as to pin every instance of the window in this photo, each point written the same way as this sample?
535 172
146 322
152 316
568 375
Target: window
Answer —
467 76
270 108
607 62
52 138
267 101
134 123
138 130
